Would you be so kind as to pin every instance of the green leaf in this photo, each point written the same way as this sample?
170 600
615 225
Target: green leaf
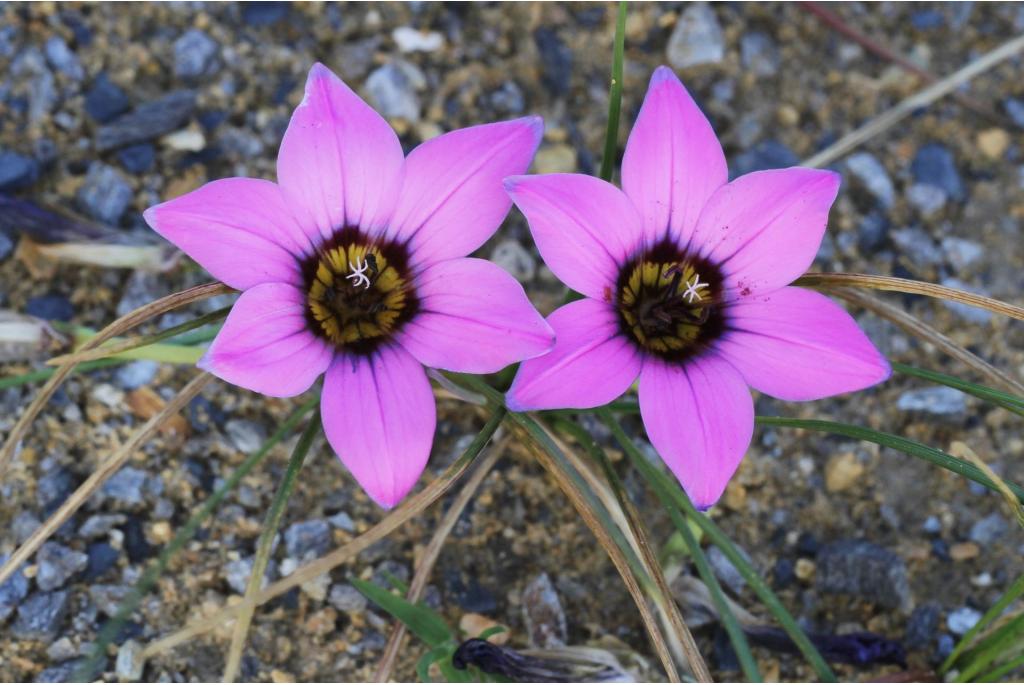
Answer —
996 397
434 655
999 643
996 610
677 500
493 630
611 136
1006 669
911 447
421 621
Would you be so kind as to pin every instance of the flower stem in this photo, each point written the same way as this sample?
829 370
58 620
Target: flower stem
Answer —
265 545
678 499
611 137
153 572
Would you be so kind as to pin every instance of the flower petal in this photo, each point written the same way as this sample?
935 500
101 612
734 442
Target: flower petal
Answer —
238 229
379 416
474 318
700 418
584 228
339 159
590 365
266 345
451 200
764 228
797 344
673 161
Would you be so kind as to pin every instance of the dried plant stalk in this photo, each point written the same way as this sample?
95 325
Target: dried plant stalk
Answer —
906 285
919 328
432 552
893 116
125 323
614 553
105 470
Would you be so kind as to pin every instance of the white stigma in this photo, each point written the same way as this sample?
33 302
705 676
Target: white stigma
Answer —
359 273
692 289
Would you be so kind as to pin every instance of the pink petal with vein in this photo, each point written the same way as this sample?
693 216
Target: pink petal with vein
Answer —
700 418
590 365
673 160
241 230
764 228
339 159
265 344
474 318
379 416
797 344
452 200
584 228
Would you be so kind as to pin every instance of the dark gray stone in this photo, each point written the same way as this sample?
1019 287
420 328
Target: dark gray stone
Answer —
942 401
52 307
989 529
105 194
17 171
724 569
923 625
543 615
12 591
556 61
41 615
264 13
63 59
872 176
392 89
865 570
148 121
136 374
125 486
697 38
195 55
308 538
53 488
872 232
759 53
138 159
768 154
959 621
1015 108
508 99
345 597
57 564
105 100
934 165
6 246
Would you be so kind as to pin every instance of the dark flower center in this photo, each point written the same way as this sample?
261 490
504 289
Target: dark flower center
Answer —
358 291
669 302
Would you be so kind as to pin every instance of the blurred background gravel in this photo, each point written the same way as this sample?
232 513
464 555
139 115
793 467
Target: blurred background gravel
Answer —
106 109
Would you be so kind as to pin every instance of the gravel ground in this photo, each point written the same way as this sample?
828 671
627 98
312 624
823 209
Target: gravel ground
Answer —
106 109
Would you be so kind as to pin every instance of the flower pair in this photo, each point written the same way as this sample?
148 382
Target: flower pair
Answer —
353 265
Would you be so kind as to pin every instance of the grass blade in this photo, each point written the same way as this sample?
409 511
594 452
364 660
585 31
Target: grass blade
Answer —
905 445
722 541
421 621
999 642
611 136
265 546
1005 400
670 607
1006 599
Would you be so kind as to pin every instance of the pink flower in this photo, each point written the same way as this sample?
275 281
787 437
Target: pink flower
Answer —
685 277
354 264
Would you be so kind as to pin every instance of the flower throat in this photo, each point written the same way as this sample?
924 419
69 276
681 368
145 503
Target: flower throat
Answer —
358 291
669 302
